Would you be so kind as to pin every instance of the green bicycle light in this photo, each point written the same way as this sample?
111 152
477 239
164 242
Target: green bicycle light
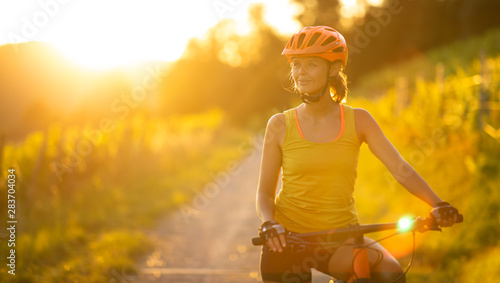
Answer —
405 224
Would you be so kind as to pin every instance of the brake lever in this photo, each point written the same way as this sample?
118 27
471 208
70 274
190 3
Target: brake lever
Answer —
434 228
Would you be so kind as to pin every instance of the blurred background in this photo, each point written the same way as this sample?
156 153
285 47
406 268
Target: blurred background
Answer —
100 100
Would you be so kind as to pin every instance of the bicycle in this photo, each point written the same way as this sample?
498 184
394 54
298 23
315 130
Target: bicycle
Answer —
360 264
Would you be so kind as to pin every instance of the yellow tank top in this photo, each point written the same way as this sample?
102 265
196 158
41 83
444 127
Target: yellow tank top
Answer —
318 178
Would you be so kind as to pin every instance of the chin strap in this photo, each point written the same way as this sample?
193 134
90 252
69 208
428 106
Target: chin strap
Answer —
308 99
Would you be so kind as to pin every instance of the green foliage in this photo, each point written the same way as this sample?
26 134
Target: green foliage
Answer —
484 266
85 197
461 57
395 31
447 129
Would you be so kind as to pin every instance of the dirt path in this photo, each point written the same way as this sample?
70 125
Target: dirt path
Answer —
210 239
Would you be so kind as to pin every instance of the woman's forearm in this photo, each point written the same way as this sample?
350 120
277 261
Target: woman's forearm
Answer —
416 185
265 207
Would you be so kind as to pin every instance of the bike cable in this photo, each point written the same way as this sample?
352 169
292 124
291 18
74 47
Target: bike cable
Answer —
411 260
381 255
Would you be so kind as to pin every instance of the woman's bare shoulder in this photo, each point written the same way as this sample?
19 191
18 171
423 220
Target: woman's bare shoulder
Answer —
277 120
365 123
363 116
277 123
276 127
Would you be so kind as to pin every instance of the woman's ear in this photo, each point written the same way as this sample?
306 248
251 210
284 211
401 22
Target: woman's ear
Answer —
335 68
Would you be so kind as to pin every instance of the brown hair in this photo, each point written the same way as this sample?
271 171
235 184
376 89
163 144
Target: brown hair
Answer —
338 87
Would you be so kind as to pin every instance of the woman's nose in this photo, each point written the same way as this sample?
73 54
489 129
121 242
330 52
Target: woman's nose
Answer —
302 70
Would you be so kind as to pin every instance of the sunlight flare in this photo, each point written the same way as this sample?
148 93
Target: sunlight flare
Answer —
108 34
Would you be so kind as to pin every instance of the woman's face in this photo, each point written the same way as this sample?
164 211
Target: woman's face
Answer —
310 74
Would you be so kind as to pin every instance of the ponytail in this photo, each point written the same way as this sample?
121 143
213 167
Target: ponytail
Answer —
338 87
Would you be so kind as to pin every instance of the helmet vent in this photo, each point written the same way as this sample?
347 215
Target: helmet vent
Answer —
290 44
301 40
338 49
313 39
317 41
328 41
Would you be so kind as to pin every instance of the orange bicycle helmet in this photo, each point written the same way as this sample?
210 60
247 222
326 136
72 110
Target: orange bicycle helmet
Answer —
320 41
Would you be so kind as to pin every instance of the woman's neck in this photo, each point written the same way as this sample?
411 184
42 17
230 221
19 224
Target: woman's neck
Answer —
321 108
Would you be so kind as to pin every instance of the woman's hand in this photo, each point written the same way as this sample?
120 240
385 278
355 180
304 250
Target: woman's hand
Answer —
445 214
274 234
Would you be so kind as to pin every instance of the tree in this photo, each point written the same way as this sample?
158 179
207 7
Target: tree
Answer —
240 74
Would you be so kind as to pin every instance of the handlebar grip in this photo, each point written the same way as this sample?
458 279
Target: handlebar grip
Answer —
257 241
432 225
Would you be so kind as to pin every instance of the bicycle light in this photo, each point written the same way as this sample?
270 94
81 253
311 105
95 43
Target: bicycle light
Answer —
405 224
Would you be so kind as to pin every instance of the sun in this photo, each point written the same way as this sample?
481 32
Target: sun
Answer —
109 34
102 35
109 54
120 34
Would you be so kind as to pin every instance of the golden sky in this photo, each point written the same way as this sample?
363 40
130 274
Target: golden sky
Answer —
105 34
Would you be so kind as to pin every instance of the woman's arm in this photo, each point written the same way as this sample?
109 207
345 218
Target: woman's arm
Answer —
270 167
269 173
370 133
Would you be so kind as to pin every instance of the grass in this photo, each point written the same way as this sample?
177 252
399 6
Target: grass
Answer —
87 226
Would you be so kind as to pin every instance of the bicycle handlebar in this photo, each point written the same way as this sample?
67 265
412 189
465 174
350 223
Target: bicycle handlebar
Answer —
418 224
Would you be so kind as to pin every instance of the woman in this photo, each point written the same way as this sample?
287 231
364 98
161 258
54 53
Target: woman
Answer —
316 145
